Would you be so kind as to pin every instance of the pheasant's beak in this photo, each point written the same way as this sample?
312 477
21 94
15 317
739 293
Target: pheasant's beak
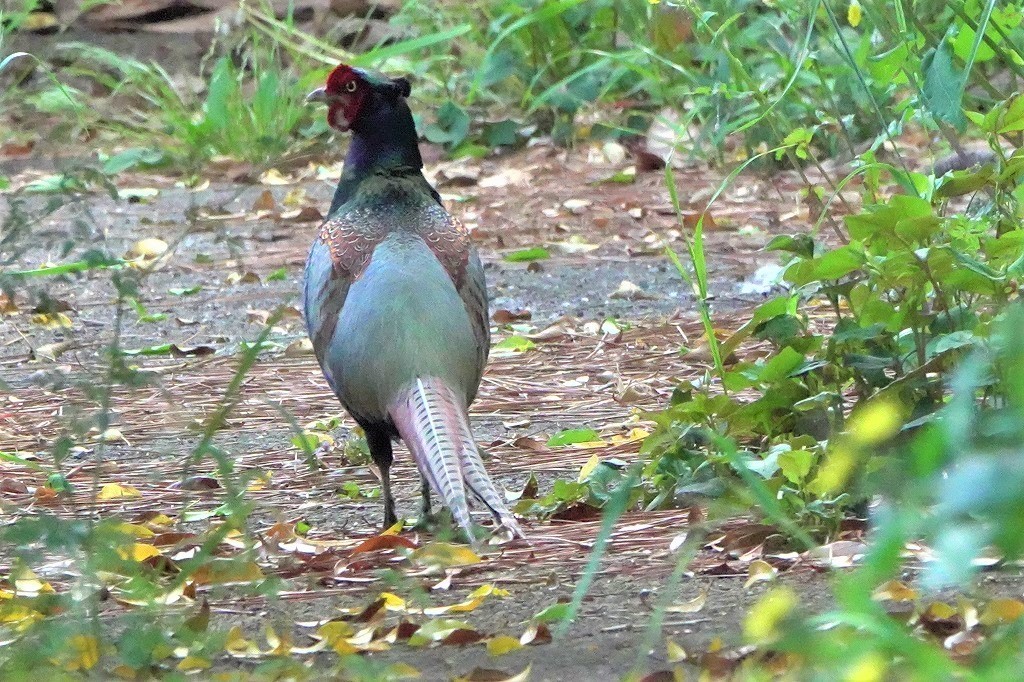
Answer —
318 95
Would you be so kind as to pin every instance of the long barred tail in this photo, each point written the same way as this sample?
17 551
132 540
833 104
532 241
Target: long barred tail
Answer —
432 421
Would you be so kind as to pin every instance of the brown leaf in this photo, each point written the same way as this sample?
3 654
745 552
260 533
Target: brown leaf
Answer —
462 636
490 675
196 351
265 202
306 214
528 443
17 148
242 278
502 316
941 619
379 542
367 614
580 511
7 305
559 331
177 539
406 629
722 569
536 633
659 676
196 483
14 486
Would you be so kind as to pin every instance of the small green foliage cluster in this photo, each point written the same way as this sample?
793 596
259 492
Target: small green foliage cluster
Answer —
916 282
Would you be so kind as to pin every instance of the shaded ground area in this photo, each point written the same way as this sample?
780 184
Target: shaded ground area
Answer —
230 240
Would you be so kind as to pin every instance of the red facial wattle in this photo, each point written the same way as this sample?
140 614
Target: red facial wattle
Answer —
345 93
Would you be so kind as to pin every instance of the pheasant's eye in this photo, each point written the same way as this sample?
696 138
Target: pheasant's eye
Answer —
351 86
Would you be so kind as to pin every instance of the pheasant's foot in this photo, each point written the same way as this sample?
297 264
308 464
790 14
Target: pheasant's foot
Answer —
441 525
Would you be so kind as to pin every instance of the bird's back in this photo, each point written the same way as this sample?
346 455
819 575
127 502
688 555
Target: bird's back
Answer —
395 292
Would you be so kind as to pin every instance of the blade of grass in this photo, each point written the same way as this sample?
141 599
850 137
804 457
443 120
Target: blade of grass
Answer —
613 510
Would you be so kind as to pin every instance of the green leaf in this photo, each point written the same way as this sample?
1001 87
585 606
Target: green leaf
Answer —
451 126
501 133
573 436
278 275
780 366
830 266
514 343
795 465
536 253
797 244
159 349
307 442
131 158
553 614
887 67
58 483
944 84
185 291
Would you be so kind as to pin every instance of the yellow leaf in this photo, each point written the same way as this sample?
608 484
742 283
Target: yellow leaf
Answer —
148 248
502 644
260 482
762 621
238 645
675 653
193 663
274 177
279 646
138 552
1000 611
395 528
113 491
294 198
125 672
760 571
82 653
488 589
392 602
160 521
940 610
111 435
875 422
38 21
835 470
588 468
135 530
223 571
444 555
634 434
871 667
19 614
692 606
854 13
27 583
894 590
475 599
335 633
402 671
53 320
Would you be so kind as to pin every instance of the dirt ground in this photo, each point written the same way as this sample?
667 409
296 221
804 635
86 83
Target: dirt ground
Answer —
577 376
601 359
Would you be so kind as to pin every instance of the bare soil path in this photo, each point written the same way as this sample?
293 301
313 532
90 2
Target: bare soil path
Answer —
601 359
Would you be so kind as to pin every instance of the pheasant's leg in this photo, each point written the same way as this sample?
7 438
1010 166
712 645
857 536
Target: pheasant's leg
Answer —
426 498
380 450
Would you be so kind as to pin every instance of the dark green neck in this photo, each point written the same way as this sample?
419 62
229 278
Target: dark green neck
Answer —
383 143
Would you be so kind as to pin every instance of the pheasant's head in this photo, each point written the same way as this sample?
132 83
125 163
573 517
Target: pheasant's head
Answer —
352 95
